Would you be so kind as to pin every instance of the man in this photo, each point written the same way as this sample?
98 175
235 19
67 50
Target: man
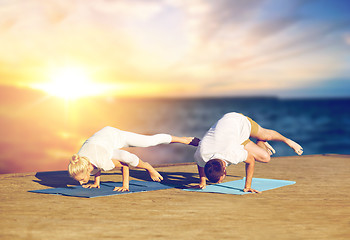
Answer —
227 142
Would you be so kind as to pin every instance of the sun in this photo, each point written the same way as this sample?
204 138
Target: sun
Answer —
71 83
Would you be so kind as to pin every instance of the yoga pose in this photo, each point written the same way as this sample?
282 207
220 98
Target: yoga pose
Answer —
227 142
103 151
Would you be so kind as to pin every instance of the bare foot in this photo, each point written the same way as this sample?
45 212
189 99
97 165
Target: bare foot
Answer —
270 148
266 146
186 140
155 175
296 147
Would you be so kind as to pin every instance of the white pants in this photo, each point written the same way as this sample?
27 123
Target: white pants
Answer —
105 145
137 140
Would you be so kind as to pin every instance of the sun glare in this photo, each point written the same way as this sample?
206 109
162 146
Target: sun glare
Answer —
71 83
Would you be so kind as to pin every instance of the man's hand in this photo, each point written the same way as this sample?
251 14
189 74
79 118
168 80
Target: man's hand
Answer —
201 186
202 179
249 171
91 185
251 190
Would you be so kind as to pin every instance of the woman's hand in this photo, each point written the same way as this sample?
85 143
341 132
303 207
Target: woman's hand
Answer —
95 185
121 189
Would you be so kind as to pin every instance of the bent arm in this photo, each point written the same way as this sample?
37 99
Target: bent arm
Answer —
125 172
202 179
98 178
249 168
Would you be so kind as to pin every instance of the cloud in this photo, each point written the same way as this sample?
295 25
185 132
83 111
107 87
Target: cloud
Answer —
273 44
208 18
170 41
347 39
116 37
139 9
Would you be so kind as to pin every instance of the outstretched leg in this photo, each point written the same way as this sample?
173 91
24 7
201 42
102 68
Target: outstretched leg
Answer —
139 140
264 134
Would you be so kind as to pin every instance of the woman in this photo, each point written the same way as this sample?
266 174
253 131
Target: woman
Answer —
103 151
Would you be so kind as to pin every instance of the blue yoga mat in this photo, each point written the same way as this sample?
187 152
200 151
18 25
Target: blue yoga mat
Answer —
236 187
106 189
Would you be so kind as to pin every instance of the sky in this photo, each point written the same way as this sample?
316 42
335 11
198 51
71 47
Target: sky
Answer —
181 48
66 66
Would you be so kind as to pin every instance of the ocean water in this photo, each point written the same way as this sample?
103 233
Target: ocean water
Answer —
321 126
41 133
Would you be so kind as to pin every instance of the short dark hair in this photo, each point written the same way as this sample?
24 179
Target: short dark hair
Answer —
214 169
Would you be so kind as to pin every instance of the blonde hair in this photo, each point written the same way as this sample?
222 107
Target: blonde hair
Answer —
78 165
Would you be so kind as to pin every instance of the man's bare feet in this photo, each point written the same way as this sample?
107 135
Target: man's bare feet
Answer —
266 146
296 147
270 148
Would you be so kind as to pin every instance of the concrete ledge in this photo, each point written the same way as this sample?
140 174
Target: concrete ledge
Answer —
316 207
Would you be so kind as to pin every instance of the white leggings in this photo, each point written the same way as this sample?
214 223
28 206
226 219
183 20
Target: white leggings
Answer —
106 145
129 139
138 140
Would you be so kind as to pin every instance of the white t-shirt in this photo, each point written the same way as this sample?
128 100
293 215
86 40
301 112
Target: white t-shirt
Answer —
99 148
223 140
